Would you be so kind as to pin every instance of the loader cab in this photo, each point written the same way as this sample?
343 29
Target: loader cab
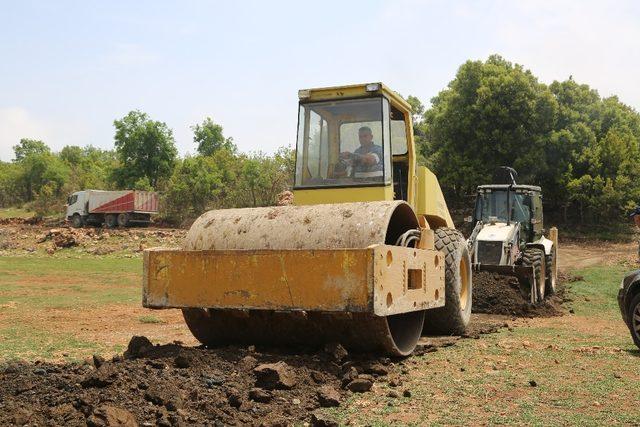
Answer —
336 128
511 203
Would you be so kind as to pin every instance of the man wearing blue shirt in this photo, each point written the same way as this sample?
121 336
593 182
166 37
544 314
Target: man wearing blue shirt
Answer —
367 159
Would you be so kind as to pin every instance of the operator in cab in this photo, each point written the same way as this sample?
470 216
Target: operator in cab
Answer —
367 159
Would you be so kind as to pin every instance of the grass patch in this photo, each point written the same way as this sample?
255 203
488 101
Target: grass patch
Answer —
33 290
585 367
30 282
15 213
596 294
149 320
28 342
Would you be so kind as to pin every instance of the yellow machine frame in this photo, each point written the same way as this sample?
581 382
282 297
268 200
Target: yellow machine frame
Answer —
334 257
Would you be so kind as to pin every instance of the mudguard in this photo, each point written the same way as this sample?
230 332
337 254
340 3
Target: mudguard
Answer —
543 243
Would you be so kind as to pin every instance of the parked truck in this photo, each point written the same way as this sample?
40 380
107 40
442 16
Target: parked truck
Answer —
113 208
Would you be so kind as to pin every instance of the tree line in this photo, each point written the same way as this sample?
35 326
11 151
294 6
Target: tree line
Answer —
581 148
145 158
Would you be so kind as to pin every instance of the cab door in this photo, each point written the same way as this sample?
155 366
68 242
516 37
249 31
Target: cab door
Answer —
400 153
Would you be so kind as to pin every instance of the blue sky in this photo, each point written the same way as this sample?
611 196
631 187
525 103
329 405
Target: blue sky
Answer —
69 68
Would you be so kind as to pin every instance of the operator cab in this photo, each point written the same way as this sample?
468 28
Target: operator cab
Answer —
353 140
493 201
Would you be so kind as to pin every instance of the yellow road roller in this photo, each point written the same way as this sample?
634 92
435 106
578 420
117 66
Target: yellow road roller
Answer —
367 255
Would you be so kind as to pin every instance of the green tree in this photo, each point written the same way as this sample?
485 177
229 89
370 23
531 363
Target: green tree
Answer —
417 108
145 149
592 155
39 170
90 167
10 191
419 126
226 179
493 113
194 186
263 177
209 138
27 147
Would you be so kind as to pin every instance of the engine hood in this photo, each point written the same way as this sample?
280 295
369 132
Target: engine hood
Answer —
497 232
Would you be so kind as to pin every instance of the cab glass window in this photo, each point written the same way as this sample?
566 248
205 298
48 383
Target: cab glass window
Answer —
343 143
398 132
494 204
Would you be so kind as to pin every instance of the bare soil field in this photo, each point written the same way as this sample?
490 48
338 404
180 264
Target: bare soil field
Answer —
574 256
19 236
67 316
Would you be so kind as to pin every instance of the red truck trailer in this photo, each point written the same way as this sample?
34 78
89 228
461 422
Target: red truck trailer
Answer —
113 208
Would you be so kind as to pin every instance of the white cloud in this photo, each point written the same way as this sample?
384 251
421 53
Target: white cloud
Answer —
16 123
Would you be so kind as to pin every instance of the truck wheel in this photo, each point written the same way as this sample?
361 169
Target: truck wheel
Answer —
110 220
535 257
453 318
77 221
551 271
123 220
634 319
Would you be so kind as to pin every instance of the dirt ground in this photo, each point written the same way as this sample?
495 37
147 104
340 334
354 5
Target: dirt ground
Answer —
573 256
175 382
177 385
20 236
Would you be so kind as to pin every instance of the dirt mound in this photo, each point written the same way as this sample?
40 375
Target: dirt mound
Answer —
496 294
35 220
175 385
20 237
285 198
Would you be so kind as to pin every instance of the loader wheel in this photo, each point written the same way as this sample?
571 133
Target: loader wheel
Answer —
535 257
453 318
551 272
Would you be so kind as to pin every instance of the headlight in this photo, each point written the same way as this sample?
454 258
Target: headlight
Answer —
304 93
372 87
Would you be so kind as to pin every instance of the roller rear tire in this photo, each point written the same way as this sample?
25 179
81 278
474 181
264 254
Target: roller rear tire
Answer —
454 317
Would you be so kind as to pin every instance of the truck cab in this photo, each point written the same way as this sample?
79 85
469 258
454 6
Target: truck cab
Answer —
77 207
